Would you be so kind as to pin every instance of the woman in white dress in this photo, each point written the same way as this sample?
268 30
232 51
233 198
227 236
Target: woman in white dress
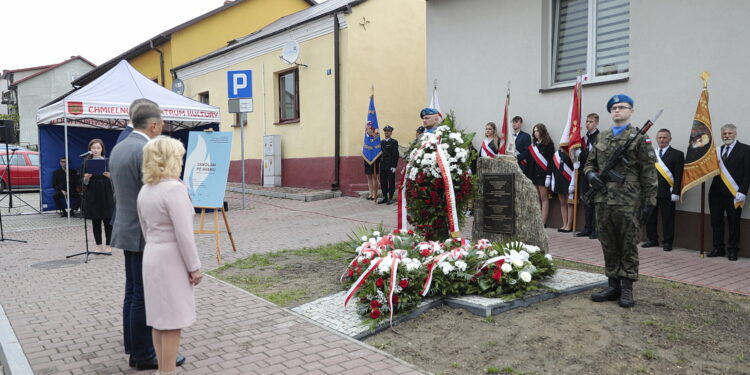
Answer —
171 267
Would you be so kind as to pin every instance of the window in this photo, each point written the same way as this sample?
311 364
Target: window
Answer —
203 97
591 36
289 96
34 159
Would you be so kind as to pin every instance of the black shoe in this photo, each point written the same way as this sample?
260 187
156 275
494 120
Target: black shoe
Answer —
650 244
732 255
370 198
667 247
594 236
716 253
383 201
65 214
626 297
180 359
564 230
584 233
152 363
611 293
390 201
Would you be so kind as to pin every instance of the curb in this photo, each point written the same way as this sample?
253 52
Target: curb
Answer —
298 197
13 359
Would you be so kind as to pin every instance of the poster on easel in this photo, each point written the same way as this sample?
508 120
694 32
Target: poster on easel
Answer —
207 167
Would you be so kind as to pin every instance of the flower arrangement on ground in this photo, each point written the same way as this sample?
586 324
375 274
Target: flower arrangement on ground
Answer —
447 151
390 274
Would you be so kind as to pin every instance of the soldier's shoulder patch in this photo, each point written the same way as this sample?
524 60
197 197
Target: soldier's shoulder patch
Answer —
648 141
652 154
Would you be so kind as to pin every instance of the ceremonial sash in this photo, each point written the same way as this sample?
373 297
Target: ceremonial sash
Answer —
562 167
540 159
728 180
486 150
664 171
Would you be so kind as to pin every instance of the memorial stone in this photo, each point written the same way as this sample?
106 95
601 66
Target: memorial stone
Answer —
507 207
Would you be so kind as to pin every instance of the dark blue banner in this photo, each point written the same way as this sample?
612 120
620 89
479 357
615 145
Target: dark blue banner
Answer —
371 149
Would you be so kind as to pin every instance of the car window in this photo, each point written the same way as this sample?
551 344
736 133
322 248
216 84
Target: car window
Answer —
34 158
17 159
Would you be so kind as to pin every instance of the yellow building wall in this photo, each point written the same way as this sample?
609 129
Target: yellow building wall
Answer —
389 53
213 33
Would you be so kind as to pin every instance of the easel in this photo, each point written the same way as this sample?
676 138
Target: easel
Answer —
216 230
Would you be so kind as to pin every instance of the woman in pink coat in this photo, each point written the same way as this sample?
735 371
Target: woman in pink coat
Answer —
171 267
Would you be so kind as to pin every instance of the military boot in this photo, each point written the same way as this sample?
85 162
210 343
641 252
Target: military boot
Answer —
626 298
611 293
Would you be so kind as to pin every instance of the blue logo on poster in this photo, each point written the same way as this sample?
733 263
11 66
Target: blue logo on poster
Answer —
240 84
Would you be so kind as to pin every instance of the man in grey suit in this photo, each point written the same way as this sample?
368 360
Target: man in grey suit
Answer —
125 171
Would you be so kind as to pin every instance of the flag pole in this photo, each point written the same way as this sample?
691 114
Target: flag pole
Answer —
704 76
507 138
575 181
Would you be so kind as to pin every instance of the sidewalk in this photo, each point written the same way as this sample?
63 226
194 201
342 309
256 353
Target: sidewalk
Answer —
66 314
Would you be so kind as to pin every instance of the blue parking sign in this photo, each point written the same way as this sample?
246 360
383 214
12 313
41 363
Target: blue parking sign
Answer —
240 84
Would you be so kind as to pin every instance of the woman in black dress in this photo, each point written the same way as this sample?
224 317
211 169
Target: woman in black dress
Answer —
98 197
538 165
562 175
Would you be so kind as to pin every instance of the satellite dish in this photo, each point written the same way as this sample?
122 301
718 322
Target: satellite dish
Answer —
290 52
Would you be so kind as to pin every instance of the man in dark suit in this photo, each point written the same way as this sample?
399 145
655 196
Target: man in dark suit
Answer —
736 159
522 142
670 164
125 171
60 183
592 132
388 163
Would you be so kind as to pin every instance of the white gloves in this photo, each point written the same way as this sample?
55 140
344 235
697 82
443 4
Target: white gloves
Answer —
548 181
572 188
740 197
393 170
675 197
577 165
577 153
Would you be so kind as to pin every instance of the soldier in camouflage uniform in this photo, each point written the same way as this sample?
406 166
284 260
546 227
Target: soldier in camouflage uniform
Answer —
619 210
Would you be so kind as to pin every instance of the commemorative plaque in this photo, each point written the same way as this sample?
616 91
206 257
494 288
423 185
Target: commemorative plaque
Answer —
498 208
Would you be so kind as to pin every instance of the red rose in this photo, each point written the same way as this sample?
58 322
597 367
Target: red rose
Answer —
403 283
366 261
497 275
425 252
396 231
410 232
350 272
499 263
355 264
395 299
379 282
375 314
374 304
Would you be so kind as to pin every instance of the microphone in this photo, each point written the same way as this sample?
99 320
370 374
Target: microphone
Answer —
87 153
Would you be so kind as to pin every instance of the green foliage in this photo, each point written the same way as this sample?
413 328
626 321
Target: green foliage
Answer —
650 355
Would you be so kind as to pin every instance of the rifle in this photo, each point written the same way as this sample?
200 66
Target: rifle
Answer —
608 173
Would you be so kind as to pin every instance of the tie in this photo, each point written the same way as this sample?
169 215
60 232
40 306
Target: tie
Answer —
724 153
661 152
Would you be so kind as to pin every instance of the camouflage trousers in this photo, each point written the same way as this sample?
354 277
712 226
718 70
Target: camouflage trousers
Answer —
619 230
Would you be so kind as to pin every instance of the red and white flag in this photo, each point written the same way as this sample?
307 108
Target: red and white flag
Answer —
571 135
502 150
435 102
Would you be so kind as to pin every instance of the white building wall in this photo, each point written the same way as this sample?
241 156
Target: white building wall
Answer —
475 46
40 90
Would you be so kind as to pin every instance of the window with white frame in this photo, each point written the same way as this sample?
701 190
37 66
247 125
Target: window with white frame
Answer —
590 36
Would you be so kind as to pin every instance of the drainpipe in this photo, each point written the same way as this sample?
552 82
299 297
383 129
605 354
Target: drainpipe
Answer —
161 62
337 106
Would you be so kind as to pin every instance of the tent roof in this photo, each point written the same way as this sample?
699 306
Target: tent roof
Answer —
105 102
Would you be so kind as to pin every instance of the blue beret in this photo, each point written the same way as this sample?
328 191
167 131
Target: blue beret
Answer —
428 111
388 128
619 98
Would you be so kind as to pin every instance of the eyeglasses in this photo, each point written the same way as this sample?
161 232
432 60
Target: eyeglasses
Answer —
620 107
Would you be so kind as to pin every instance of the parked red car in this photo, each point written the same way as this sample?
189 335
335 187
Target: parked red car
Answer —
24 169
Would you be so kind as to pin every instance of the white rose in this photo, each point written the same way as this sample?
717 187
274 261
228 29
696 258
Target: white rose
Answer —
461 265
376 234
548 257
364 238
481 254
385 265
531 249
492 253
447 267
525 276
517 263
506 267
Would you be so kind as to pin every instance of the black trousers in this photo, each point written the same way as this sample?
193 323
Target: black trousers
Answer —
589 215
718 204
666 209
96 227
60 201
387 183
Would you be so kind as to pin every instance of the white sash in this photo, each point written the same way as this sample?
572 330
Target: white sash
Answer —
728 180
664 171
486 151
566 171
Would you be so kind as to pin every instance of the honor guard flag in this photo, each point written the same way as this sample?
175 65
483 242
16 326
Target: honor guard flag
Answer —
571 135
701 161
434 102
504 129
371 147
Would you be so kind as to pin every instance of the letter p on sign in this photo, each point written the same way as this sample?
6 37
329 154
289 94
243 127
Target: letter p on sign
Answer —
240 84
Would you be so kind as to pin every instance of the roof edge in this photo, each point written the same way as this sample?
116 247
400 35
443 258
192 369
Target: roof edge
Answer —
53 66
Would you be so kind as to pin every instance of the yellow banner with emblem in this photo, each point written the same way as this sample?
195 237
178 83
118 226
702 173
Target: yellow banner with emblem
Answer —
701 161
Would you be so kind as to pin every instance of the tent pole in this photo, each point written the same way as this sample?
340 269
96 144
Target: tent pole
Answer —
67 163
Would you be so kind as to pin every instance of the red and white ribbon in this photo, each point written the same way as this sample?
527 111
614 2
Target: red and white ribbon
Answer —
402 220
566 171
435 262
366 251
486 150
540 159
361 280
450 195
396 256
